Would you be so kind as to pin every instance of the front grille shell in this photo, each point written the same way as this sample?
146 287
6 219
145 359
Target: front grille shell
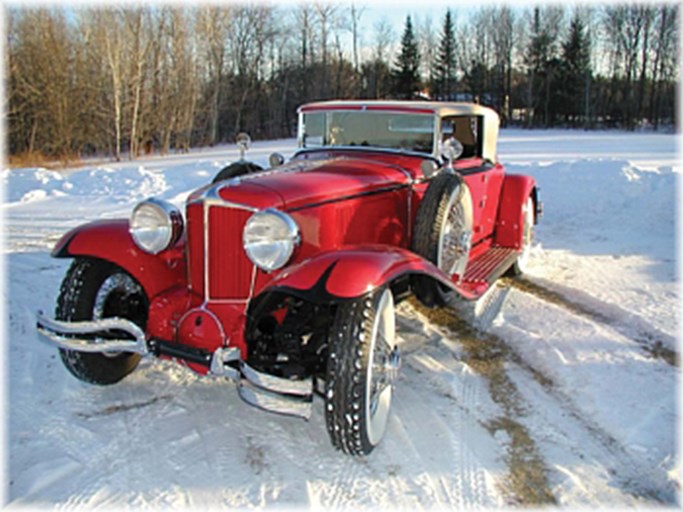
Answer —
218 267
229 269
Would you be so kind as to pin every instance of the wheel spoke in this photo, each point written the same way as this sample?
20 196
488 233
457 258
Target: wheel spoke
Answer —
378 389
454 240
119 288
383 346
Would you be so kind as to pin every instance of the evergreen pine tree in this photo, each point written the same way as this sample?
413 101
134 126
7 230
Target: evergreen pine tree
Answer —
576 72
444 82
406 74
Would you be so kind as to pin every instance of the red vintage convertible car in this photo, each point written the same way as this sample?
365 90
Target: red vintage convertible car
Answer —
284 280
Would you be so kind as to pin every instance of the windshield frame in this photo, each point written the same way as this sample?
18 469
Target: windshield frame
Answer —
327 146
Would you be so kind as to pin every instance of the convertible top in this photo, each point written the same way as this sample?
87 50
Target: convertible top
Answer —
439 108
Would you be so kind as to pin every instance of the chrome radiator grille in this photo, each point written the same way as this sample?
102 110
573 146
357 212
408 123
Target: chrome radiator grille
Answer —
219 269
230 270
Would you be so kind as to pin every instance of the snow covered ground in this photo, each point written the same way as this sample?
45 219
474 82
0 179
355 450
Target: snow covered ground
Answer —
561 389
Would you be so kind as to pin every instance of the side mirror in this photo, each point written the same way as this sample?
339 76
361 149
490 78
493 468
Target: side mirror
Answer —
276 159
429 168
243 143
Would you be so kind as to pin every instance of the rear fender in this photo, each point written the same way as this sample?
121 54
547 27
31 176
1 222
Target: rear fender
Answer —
516 189
333 277
110 240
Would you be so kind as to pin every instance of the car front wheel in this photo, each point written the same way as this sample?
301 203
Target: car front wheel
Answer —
95 289
362 366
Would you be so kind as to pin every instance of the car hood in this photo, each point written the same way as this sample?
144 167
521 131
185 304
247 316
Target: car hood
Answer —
303 183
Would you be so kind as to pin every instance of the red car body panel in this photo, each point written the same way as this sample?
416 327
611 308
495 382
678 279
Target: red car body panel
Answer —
251 193
110 240
376 108
185 318
485 188
516 189
326 277
301 184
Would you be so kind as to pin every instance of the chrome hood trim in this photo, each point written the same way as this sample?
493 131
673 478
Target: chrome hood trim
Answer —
211 197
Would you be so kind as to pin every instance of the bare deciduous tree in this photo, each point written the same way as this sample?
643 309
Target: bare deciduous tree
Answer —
111 80
213 25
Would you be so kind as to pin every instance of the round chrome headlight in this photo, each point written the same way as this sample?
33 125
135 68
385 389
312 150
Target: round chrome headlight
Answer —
155 225
270 238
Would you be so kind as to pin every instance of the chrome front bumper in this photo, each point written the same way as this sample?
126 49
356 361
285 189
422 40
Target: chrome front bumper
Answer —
262 390
92 336
275 394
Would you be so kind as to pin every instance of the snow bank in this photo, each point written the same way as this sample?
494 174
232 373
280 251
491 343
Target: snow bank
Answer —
32 185
613 204
118 184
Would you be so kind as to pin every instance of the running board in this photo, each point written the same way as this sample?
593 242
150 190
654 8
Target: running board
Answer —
485 269
489 266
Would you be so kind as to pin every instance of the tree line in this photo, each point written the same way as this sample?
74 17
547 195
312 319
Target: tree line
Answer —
131 80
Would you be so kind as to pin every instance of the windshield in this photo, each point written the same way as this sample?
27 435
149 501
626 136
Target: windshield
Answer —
401 131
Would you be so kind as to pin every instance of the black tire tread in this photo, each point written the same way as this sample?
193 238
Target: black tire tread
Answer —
347 363
75 302
430 217
236 169
515 270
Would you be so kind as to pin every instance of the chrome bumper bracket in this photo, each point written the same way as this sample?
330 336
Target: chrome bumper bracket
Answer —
220 363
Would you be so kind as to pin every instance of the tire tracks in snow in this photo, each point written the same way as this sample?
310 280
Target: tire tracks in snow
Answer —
490 356
650 339
461 479
527 480
634 475
118 408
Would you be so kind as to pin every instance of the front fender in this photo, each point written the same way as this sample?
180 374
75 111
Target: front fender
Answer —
349 273
110 240
516 189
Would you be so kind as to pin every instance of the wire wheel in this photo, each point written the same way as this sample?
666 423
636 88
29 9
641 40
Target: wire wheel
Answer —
362 368
443 235
382 370
455 233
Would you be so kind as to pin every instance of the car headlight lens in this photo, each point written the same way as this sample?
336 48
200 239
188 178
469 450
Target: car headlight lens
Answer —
270 238
155 225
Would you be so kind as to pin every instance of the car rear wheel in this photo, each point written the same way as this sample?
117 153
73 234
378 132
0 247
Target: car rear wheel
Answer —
362 366
522 262
95 289
443 235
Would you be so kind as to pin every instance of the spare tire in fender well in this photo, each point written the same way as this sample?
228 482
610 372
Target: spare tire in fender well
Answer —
236 169
446 194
